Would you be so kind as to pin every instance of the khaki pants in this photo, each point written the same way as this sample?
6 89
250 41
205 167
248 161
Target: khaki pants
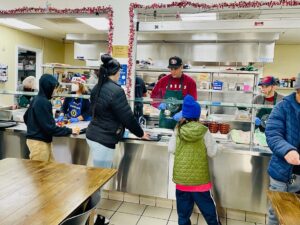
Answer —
40 150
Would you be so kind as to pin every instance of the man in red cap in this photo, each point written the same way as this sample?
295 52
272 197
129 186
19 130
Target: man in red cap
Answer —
172 87
268 96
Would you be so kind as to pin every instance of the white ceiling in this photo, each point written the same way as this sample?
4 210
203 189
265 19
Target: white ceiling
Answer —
56 27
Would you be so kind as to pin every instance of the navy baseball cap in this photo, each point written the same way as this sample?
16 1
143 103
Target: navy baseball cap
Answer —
269 80
175 62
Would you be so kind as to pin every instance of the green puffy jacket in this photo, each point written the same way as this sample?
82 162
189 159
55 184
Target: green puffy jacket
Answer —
191 163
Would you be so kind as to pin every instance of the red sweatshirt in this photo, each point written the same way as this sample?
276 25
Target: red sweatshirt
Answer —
189 86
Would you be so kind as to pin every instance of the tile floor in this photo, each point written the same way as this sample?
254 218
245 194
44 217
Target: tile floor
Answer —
125 213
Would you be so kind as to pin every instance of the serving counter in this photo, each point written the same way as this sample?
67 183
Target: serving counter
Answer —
239 176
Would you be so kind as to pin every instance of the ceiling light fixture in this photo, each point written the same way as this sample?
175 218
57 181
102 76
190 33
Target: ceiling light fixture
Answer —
18 24
96 23
198 16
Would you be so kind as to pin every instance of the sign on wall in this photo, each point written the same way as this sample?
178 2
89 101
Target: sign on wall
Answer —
120 51
3 73
123 74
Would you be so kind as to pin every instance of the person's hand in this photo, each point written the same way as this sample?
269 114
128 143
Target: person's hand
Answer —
162 106
13 107
177 116
146 136
292 157
60 119
257 121
75 130
74 120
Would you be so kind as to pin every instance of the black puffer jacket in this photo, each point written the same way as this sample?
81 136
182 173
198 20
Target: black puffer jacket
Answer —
111 114
39 117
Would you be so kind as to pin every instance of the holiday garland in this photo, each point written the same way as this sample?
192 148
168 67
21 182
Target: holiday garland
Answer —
201 6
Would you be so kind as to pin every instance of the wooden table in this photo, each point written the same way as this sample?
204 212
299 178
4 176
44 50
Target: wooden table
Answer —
286 206
34 192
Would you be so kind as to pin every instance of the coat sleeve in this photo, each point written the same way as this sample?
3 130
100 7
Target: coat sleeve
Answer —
65 105
124 113
193 89
45 120
86 109
156 94
172 143
211 144
276 131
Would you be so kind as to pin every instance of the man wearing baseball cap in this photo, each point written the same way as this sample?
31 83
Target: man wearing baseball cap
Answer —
174 86
282 132
268 96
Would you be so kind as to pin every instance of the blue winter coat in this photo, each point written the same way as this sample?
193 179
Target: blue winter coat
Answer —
283 134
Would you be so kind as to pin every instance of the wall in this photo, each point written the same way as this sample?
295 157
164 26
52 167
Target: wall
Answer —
286 62
69 56
53 51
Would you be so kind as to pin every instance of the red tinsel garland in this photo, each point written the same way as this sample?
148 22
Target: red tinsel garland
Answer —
203 6
86 10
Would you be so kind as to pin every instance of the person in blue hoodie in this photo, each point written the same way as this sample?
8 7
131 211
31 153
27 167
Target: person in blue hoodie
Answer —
283 137
40 122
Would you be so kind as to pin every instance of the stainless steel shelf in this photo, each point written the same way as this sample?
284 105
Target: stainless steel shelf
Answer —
199 70
223 91
70 67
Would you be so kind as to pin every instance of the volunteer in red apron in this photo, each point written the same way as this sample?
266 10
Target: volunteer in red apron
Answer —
76 109
172 87
268 96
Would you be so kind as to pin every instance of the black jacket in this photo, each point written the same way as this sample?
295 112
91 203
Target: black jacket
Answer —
111 114
85 107
39 117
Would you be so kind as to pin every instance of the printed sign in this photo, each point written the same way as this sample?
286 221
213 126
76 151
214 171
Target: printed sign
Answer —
120 51
123 74
3 73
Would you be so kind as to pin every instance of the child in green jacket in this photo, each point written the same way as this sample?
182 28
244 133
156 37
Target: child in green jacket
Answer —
192 143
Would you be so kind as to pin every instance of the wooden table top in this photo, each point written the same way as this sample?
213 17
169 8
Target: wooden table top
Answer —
286 206
34 192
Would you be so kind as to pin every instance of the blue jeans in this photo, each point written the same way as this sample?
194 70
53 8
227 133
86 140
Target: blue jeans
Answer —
205 202
102 155
276 185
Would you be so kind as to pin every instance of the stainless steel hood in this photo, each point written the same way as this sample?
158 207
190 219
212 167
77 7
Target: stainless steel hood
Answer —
255 25
210 41
88 46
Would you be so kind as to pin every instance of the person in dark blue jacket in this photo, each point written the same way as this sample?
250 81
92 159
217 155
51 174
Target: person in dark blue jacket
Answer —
40 123
283 137
76 109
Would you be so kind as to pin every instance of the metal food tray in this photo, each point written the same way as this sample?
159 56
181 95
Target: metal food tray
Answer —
7 123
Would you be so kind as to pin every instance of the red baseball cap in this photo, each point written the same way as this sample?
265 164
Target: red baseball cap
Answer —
269 80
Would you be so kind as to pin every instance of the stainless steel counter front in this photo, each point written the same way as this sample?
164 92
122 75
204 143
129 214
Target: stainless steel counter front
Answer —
239 177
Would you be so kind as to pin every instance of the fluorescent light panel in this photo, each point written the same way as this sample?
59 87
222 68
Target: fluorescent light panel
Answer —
18 24
198 16
96 23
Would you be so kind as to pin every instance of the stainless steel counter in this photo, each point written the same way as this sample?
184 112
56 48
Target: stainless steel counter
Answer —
239 177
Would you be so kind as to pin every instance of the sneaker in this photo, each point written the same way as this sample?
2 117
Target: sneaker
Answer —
101 220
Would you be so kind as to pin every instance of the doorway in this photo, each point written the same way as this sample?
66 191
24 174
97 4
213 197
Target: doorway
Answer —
29 63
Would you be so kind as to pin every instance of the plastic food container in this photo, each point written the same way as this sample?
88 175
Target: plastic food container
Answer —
213 127
224 128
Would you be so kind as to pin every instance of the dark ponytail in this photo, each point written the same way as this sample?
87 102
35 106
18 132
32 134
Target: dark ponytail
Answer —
109 67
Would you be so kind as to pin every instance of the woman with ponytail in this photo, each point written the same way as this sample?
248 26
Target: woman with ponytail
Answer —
111 114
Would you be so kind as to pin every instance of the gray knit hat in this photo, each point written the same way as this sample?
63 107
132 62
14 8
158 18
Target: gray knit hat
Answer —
297 83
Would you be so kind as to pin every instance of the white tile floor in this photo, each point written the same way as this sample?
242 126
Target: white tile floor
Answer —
125 213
